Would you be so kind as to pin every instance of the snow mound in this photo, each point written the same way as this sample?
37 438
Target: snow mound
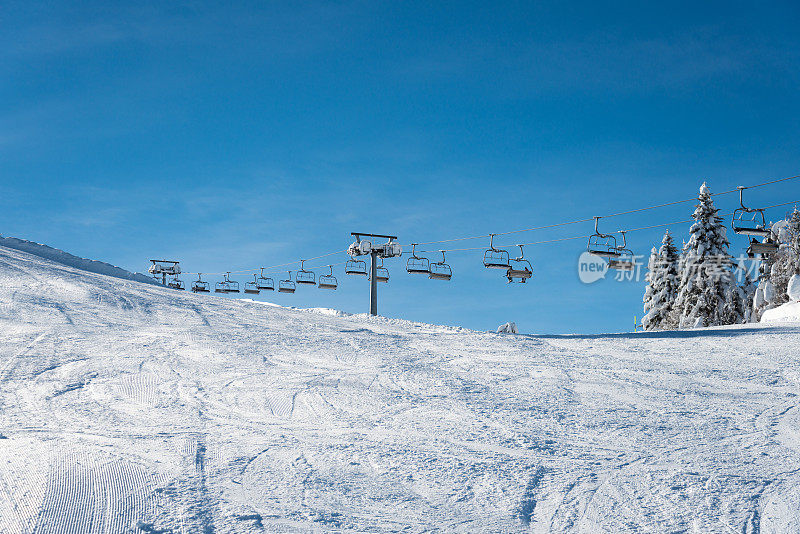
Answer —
508 328
785 313
65 258
327 311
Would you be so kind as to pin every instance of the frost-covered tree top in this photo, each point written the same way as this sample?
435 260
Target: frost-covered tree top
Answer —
668 250
662 283
708 236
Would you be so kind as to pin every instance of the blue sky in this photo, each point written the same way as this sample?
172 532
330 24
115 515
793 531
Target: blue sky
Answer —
233 137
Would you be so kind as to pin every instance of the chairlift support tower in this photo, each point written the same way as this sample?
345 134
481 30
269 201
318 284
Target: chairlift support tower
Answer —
164 268
389 249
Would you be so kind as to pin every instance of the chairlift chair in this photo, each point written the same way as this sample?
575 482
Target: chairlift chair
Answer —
749 221
305 277
495 258
200 286
356 267
417 264
221 287
265 283
603 245
231 286
623 261
287 286
328 281
762 248
440 270
251 288
176 283
381 273
520 269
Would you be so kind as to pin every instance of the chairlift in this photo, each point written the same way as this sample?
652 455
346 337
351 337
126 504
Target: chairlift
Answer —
287 286
495 258
440 270
762 248
221 287
623 261
520 269
264 283
749 221
417 264
305 277
231 286
176 283
603 245
381 272
356 267
328 281
200 286
251 288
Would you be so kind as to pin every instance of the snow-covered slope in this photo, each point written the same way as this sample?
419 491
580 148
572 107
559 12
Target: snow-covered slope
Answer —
132 408
65 258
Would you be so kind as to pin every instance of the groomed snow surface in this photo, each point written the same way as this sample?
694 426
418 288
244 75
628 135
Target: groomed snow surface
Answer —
126 407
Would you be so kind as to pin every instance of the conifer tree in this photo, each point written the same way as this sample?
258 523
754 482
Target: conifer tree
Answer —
707 292
662 284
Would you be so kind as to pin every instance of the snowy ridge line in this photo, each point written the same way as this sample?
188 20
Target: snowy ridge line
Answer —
65 258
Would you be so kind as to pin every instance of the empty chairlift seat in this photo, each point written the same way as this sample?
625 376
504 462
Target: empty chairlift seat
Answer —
381 273
287 286
265 283
440 270
328 281
251 288
356 267
229 286
305 277
495 258
603 245
417 264
749 221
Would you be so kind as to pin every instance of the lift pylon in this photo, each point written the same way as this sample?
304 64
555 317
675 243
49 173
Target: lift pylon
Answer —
364 245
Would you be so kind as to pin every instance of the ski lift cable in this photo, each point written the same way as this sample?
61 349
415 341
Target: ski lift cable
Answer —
246 271
619 214
586 236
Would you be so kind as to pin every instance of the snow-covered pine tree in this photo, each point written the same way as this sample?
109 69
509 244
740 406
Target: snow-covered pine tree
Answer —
786 262
776 269
707 292
675 315
662 285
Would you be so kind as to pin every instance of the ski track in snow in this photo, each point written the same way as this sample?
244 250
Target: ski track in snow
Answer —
131 408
